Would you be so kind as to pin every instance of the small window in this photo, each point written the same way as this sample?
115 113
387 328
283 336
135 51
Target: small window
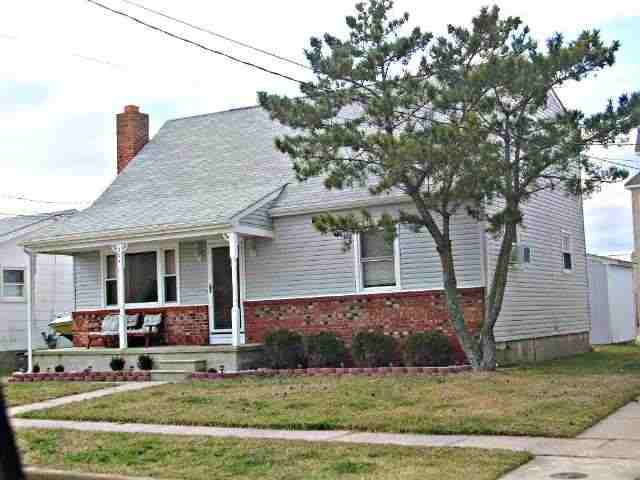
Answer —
567 256
13 284
111 281
377 260
526 254
170 276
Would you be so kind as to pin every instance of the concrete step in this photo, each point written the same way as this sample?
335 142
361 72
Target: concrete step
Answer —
187 365
170 375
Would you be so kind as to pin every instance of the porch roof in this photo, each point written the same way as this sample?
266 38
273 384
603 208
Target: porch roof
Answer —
197 172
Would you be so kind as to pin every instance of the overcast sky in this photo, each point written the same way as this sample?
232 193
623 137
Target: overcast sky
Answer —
67 67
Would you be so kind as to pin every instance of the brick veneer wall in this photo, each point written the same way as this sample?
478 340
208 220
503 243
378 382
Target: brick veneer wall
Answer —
397 314
182 325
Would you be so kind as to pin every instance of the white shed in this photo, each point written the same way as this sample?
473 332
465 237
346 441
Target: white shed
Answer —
611 300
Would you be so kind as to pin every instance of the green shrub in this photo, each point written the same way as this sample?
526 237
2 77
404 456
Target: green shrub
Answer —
58 368
373 349
284 349
429 349
117 364
36 368
325 350
145 362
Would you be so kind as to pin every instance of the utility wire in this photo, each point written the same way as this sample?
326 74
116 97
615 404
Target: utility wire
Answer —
196 44
73 54
44 202
218 35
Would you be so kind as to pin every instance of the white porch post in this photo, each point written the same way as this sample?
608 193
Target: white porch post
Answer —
120 250
30 284
235 310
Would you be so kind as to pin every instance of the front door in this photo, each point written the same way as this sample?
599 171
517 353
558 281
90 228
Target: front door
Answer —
221 296
222 293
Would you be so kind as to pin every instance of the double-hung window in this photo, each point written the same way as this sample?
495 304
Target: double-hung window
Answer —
170 277
376 258
12 287
567 257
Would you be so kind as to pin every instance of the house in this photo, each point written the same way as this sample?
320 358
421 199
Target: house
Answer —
633 185
613 316
206 225
54 285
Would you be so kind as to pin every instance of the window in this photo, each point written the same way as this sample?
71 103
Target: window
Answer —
567 259
111 281
526 254
377 260
12 284
140 278
170 276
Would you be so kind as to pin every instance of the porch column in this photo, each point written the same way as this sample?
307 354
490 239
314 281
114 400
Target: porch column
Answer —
30 284
235 310
120 249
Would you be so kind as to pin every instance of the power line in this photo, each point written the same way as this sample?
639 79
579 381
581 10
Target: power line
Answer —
73 54
613 162
218 35
44 202
196 44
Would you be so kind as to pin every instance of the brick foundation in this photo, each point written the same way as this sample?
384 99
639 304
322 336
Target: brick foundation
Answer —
182 325
397 314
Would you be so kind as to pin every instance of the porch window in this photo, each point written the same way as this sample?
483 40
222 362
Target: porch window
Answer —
12 286
377 260
140 278
170 276
111 281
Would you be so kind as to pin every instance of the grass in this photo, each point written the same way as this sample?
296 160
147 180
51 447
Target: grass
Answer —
25 393
555 399
197 458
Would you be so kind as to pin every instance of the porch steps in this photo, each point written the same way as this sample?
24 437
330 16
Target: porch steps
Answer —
182 365
172 376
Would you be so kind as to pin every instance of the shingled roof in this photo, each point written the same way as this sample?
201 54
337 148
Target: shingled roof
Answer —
196 171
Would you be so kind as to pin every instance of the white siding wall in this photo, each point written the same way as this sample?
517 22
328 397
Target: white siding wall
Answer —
53 294
194 279
541 298
302 262
87 280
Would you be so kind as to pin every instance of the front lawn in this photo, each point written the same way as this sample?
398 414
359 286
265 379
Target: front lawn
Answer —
197 458
555 399
25 393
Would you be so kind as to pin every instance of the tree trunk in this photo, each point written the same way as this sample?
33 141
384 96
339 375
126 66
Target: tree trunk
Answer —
10 465
468 343
496 298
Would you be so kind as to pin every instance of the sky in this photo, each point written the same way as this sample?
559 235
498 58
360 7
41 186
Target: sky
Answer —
68 67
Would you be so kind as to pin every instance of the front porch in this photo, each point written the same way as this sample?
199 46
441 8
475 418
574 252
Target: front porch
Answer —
174 359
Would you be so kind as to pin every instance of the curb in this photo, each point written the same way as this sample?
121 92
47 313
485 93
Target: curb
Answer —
35 473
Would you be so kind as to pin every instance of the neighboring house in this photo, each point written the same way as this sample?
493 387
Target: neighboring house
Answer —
613 315
633 185
206 224
54 285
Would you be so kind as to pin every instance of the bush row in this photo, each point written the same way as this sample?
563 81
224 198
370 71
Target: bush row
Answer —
288 349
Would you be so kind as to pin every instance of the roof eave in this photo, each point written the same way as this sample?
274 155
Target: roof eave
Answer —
69 243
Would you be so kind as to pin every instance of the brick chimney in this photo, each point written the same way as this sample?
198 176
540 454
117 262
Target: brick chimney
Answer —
132 132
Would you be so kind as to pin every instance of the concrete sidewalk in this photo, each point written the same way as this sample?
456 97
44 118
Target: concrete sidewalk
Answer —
81 397
580 448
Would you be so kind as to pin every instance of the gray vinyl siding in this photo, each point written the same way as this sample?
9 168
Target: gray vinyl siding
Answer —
420 263
194 277
298 262
541 298
86 274
259 218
